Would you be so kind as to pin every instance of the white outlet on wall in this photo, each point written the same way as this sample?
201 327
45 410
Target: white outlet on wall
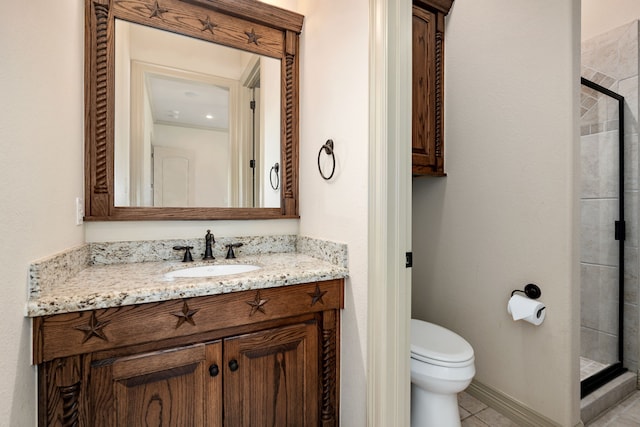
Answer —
79 210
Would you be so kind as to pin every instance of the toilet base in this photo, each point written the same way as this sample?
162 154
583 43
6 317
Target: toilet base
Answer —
433 410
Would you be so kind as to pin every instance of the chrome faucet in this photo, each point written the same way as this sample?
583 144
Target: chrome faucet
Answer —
209 240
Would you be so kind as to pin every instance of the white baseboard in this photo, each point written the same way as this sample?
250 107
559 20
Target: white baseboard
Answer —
510 408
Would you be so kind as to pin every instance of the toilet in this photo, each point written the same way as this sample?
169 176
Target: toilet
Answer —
442 365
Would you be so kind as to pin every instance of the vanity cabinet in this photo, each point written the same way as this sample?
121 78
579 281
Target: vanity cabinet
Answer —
252 358
428 86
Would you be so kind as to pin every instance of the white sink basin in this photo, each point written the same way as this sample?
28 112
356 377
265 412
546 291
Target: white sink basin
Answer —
212 270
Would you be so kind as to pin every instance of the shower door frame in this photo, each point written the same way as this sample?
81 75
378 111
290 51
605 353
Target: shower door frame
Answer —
607 374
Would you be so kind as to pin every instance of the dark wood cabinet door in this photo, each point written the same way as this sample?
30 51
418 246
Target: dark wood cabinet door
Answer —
424 95
428 86
164 388
271 378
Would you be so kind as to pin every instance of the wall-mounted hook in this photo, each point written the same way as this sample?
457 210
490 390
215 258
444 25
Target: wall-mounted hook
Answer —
328 148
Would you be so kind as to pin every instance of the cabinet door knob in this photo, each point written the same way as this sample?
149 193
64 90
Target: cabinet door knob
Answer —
233 365
213 370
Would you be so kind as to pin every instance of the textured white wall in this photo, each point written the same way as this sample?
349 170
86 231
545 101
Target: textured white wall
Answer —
506 214
41 161
335 105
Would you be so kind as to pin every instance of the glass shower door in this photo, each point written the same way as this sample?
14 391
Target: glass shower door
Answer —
602 236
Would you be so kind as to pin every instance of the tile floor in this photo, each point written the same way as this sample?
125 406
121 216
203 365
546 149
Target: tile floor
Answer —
589 367
474 413
625 414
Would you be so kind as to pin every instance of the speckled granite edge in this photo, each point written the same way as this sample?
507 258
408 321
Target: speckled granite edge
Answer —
115 285
335 253
48 274
57 268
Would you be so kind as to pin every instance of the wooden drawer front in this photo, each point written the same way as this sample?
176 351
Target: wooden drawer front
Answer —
68 334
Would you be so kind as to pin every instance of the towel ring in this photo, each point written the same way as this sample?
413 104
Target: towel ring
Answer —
328 148
275 168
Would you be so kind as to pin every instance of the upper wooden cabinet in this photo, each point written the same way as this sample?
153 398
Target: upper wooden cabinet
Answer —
428 86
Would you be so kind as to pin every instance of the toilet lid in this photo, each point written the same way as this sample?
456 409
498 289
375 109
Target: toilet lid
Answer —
431 342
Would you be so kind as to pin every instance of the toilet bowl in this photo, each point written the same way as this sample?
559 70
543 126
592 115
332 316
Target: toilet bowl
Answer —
442 365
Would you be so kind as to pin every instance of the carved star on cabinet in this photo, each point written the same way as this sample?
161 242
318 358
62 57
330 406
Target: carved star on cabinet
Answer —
316 296
156 10
253 37
207 25
94 328
257 304
186 315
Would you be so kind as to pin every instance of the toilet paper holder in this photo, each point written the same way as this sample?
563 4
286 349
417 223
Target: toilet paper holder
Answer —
532 291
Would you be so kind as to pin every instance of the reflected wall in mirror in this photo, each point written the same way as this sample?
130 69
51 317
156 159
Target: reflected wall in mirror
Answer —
190 104
203 127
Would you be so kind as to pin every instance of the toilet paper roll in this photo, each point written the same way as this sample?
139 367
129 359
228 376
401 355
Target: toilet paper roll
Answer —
527 309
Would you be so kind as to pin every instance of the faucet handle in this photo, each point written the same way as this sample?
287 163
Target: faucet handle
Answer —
187 252
230 253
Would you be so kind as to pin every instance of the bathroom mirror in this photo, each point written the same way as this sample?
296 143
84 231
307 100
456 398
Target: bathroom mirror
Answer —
197 124
190 105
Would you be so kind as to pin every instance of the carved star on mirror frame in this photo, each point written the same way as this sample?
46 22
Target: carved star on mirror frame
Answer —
253 37
93 328
186 315
257 304
156 10
316 296
207 25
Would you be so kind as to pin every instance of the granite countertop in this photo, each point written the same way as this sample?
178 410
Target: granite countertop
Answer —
114 285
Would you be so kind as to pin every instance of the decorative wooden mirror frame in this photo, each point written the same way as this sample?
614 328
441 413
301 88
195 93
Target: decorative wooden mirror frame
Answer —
244 24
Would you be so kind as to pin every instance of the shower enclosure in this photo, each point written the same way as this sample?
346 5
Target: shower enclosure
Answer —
602 236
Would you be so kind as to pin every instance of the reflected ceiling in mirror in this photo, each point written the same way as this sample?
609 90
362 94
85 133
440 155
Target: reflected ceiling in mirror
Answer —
203 128
136 112
187 103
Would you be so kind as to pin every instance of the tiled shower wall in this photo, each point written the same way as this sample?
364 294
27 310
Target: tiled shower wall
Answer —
610 60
